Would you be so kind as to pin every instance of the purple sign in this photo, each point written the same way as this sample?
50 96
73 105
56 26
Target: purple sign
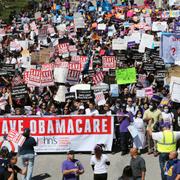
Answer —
131 44
177 27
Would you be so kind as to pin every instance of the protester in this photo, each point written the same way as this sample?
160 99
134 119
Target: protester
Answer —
72 168
140 140
138 165
172 167
127 174
13 169
79 58
99 163
166 143
27 153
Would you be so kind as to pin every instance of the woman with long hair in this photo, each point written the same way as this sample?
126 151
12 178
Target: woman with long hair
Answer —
99 163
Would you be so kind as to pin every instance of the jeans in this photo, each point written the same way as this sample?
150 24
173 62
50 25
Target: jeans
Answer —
30 159
163 157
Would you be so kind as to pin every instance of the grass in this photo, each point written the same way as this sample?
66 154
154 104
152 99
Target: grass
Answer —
11 5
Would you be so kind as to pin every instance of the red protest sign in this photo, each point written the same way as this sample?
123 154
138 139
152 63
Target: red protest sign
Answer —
15 137
108 62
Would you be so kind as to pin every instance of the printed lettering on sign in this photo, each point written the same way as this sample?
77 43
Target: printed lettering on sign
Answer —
52 132
109 62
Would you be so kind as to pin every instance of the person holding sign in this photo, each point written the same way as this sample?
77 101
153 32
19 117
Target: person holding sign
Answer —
27 153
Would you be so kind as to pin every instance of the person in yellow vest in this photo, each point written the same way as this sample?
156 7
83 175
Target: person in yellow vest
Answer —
166 143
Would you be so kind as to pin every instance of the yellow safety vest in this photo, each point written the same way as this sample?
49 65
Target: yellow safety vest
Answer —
168 142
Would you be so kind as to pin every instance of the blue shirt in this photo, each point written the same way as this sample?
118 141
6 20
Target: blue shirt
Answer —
173 170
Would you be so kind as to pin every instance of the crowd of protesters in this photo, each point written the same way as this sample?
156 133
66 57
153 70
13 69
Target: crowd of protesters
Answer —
152 111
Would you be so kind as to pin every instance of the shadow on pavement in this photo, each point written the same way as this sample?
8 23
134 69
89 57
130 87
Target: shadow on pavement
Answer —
41 176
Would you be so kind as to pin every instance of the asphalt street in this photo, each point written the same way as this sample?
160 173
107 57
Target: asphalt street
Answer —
48 167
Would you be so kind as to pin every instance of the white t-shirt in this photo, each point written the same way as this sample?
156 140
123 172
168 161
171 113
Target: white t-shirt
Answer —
93 112
100 166
167 117
158 136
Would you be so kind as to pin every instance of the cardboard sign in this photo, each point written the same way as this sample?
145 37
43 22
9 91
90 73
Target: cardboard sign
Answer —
15 137
108 62
85 94
126 76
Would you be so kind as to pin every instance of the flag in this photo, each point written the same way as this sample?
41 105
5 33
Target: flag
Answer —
98 77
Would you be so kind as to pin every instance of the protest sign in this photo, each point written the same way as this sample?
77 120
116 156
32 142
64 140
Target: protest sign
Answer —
126 76
160 75
108 62
15 46
19 92
149 66
114 90
102 26
73 75
70 96
146 41
79 21
170 48
100 99
9 68
133 131
60 74
149 91
119 44
47 78
85 94
74 66
34 77
101 87
174 80
159 26
175 94
98 77
60 95
15 137
37 15
69 132
177 27
140 93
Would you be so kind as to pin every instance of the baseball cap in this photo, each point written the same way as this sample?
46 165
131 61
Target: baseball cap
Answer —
71 152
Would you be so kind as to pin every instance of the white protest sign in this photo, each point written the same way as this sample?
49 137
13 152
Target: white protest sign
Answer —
37 15
133 131
119 44
174 80
140 93
100 99
23 44
146 41
159 26
60 95
114 89
175 94
102 26
15 137
60 74
61 27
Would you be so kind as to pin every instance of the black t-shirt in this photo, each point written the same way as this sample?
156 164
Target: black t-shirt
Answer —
16 171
